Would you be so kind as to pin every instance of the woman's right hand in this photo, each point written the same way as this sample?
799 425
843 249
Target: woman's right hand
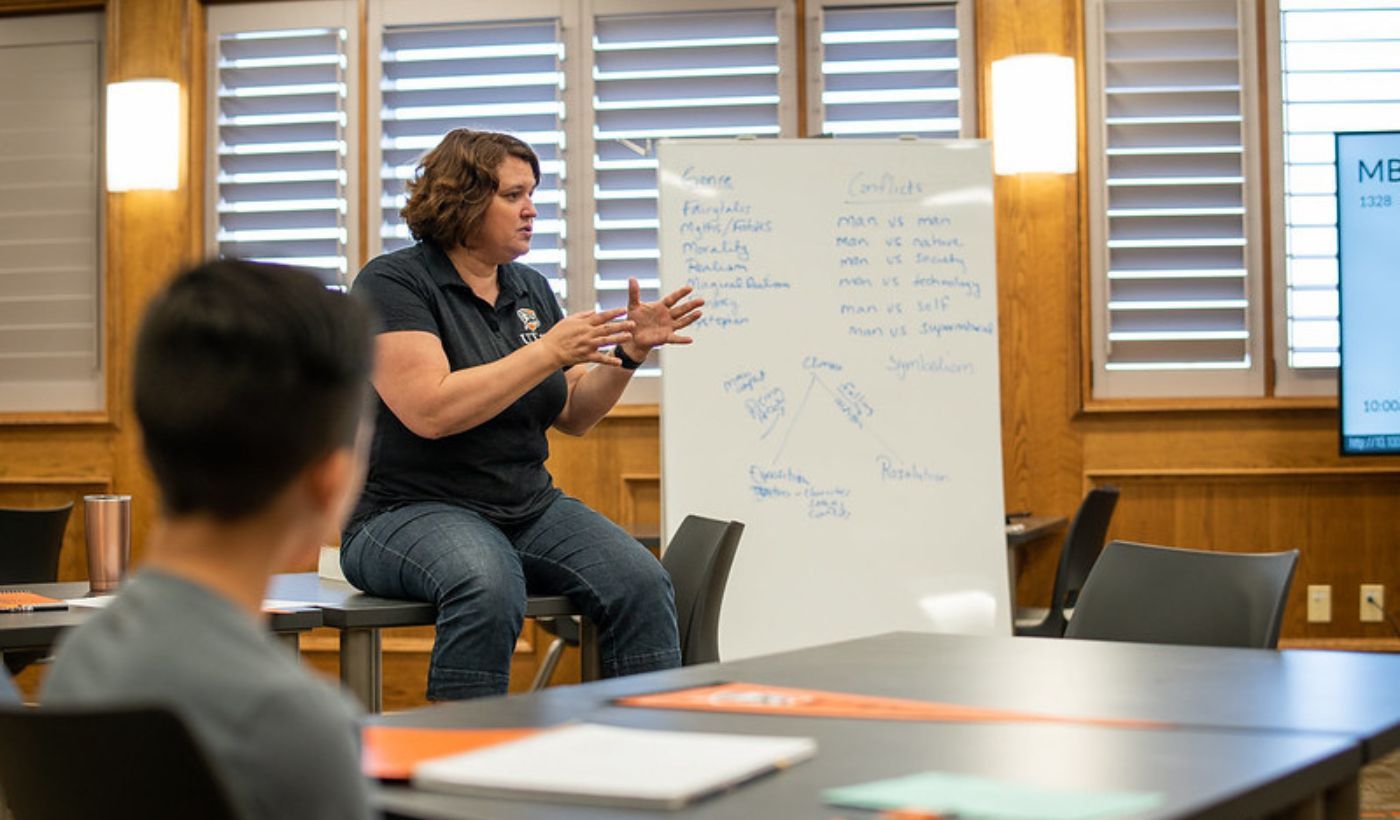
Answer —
581 337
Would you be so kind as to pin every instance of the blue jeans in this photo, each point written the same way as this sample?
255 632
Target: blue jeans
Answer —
477 574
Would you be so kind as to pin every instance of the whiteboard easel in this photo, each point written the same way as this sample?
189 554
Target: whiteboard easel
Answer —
841 398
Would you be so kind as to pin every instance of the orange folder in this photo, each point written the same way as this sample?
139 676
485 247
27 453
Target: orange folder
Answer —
28 602
755 698
391 752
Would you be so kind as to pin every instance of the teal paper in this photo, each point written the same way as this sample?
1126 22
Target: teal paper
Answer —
984 799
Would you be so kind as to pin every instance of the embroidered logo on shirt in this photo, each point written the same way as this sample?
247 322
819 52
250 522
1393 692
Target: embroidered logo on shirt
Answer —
531 323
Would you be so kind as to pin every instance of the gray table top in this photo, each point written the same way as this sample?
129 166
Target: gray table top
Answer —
1199 770
345 607
340 606
1350 693
1027 528
39 630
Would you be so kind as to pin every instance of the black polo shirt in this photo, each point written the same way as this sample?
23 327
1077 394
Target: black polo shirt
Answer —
496 468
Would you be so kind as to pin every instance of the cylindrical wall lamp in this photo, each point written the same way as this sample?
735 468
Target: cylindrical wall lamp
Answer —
1034 123
143 135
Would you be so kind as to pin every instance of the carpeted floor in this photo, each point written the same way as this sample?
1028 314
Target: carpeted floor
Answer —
1380 788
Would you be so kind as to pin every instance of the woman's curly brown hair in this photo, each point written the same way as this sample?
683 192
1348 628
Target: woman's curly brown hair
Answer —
453 185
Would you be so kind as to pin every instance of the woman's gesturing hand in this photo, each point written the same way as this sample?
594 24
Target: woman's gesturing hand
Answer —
657 322
578 338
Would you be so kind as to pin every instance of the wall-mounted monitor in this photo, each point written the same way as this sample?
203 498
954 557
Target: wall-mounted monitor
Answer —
1368 255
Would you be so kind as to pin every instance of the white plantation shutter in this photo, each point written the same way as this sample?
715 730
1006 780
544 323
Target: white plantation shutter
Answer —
890 70
50 306
499 76
1336 68
1173 198
282 133
679 74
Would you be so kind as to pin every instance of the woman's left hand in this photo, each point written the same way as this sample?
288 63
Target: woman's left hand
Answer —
656 323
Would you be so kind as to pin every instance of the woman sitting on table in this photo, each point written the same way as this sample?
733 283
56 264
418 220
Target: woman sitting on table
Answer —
475 361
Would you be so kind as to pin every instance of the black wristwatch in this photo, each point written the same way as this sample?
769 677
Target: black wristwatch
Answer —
627 361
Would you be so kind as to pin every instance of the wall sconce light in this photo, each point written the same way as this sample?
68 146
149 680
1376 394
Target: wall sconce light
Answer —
1034 121
143 135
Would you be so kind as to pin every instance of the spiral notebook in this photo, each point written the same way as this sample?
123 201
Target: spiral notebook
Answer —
613 766
24 601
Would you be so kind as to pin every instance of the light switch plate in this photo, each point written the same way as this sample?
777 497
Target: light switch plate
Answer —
1376 611
1319 603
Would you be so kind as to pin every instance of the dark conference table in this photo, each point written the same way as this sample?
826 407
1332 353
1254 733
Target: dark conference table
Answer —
40 630
1251 731
359 617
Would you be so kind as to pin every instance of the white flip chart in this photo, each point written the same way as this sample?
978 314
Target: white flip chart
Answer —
841 398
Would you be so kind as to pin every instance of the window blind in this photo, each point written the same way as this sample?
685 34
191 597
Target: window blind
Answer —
890 70
505 77
50 310
1340 62
1173 234
705 74
281 123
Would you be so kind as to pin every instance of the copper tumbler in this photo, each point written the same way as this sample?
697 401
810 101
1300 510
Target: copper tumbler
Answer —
108 539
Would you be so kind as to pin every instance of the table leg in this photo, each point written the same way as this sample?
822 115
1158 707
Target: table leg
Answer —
588 650
1342 800
1309 809
1338 802
1013 574
360 668
292 640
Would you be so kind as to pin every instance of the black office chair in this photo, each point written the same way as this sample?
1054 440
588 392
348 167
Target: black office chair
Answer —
698 559
1148 594
117 763
30 543
1080 550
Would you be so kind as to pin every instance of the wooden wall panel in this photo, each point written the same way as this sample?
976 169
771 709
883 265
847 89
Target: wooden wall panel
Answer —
591 468
1190 477
147 239
43 453
1038 271
18 7
1039 280
147 231
641 501
72 560
1344 524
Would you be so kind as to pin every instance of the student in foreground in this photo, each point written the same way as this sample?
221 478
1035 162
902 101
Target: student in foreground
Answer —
250 382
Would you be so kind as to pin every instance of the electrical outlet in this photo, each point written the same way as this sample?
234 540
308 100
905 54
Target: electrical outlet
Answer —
1319 603
1373 602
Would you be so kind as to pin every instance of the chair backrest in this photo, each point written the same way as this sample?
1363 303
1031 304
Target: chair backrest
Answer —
126 762
1148 594
698 558
30 541
1083 543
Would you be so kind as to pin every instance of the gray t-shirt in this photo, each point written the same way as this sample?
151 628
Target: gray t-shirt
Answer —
286 743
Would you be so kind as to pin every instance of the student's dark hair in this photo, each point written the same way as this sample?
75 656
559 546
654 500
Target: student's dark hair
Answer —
452 187
245 374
